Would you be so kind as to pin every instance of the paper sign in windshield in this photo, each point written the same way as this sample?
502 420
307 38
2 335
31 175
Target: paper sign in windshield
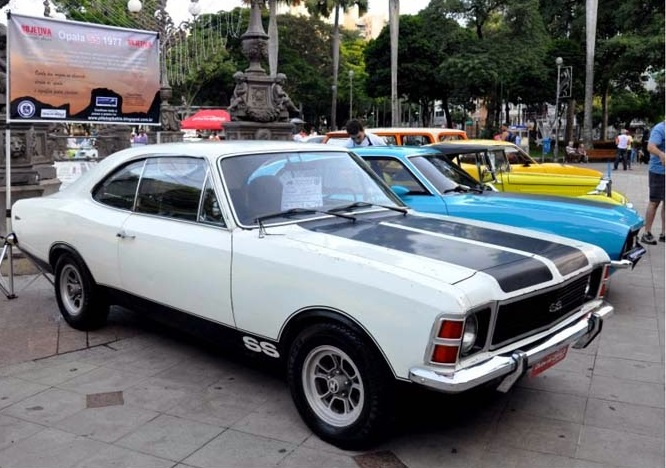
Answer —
302 192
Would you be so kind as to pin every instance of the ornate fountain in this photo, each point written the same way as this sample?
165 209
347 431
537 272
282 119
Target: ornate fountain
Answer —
260 106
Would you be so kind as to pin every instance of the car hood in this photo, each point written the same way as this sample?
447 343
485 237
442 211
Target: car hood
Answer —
556 208
453 249
557 168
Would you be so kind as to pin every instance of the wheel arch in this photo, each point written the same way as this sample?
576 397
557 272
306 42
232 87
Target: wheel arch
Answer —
304 318
59 249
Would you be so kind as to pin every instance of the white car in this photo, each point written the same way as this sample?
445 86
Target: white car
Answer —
299 253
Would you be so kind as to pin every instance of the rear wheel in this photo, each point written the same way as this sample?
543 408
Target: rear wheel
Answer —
342 390
80 301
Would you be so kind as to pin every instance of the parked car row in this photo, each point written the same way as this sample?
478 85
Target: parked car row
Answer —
502 164
303 254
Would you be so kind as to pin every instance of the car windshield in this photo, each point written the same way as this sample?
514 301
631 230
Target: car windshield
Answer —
442 174
311 182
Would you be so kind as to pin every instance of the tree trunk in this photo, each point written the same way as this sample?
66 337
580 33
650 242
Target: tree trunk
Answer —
604 114
590 37
394 27
272 38
336 65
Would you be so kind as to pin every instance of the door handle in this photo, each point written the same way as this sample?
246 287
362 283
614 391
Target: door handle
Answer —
123 235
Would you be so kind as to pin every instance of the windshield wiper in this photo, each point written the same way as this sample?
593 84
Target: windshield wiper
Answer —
361 204
460 188
299 211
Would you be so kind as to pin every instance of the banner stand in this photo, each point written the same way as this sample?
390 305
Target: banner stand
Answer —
7 286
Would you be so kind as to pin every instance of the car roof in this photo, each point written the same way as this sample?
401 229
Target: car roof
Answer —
211 150
451 147
215 149
403 130
491 142
394 150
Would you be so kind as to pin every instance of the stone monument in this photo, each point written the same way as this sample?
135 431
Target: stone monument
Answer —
260 106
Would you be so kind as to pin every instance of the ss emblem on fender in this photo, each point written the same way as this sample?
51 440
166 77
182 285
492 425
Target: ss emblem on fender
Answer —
257 346
555 307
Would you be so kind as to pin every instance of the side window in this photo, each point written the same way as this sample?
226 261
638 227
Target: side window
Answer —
393 172
500 161
470 158
210 212
118 189
171 187
390 139
414 140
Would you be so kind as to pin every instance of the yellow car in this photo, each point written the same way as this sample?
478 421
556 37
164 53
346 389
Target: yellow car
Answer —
520 161
489 163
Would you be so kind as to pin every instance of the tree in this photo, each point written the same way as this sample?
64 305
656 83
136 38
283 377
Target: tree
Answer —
109 13
394 28
324 8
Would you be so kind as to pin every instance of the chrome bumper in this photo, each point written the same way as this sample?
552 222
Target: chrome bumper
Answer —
579 334
629 259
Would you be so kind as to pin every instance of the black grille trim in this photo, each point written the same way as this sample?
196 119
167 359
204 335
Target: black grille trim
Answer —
526 317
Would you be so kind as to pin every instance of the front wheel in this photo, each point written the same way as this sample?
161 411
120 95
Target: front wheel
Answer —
342 391
79 299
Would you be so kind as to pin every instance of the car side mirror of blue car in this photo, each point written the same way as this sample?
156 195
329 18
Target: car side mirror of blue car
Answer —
399 190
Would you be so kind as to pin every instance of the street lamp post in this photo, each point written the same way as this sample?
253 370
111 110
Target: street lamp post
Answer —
351 92
556 154
168 33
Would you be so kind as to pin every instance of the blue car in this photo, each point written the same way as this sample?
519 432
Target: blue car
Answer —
424 179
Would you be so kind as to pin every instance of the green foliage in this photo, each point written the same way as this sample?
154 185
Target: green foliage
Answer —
109 12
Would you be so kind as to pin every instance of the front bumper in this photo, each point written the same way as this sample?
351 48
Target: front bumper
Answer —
513 366
630 259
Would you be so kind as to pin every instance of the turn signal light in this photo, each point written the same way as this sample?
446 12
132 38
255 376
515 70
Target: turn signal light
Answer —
450 329
443 354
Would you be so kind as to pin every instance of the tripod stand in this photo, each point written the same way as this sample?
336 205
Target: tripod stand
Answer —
7 285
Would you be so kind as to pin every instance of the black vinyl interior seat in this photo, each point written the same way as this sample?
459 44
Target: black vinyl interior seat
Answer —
263 196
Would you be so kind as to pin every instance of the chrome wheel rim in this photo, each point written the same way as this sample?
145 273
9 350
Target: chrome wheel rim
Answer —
333 386
71 290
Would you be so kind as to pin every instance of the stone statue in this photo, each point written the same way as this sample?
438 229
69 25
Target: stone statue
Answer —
281 99
168 118
239 99
17 147
56 142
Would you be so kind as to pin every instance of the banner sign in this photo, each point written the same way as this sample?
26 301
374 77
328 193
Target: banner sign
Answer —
68 71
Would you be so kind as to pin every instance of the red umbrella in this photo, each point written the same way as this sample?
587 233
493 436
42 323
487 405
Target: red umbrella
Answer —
206 119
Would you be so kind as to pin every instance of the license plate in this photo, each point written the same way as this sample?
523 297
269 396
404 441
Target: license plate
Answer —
548 361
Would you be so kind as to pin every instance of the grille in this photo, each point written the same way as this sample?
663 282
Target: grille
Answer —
536 313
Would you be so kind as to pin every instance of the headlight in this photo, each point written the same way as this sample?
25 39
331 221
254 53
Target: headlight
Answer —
470 333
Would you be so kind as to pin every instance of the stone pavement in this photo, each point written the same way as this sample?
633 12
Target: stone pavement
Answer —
137 395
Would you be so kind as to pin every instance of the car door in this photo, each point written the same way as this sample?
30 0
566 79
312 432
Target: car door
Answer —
175 247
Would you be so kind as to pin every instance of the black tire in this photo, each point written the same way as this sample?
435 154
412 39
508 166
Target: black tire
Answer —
80 300
341 386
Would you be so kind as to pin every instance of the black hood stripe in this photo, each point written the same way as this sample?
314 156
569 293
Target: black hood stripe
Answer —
512 270
567 259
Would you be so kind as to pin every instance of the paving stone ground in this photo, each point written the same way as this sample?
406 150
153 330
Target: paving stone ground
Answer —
136 394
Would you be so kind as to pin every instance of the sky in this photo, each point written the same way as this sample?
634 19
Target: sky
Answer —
178 8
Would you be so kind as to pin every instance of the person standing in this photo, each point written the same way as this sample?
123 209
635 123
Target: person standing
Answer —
656 184
622 143
359 137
